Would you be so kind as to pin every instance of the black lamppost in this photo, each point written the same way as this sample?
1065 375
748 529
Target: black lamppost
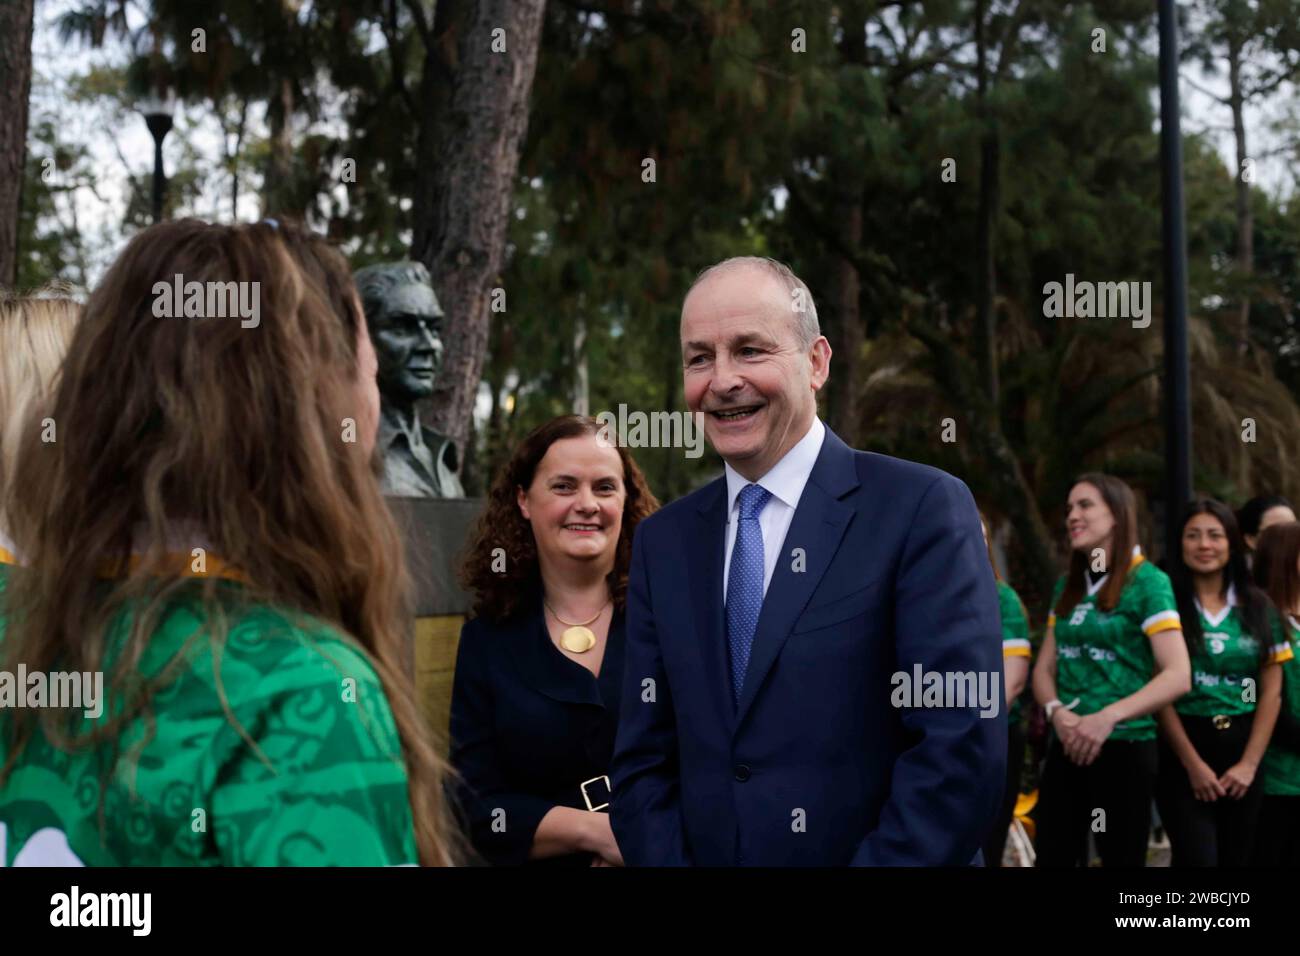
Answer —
1178 418
158 110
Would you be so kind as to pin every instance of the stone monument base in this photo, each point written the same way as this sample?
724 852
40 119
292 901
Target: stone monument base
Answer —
436 531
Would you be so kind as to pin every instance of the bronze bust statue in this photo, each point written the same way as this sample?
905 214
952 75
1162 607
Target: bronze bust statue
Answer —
405 323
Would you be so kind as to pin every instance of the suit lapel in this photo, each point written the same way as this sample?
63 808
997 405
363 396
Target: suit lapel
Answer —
817 528
706 541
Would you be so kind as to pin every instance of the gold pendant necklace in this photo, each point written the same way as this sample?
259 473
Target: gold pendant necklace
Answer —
576 638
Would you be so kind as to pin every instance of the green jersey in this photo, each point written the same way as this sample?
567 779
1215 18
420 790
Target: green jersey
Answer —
308 772
1228 657
1104 656
1281 766
1015 634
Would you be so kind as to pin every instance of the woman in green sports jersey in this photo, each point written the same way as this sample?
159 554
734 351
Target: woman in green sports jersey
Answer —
1213 738
1112 656
1277 835
208 534
1016 652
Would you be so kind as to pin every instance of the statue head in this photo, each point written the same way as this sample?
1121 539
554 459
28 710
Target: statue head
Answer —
405 323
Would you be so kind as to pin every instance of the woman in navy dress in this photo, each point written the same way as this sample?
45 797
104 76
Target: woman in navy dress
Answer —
539 670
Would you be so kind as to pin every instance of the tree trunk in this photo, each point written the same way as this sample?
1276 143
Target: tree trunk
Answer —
15 91
277 186
986 224
845 292
235 158
581 382
847 184
475 105
1245 221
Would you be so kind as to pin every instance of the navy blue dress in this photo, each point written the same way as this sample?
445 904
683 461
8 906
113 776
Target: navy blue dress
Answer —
528 726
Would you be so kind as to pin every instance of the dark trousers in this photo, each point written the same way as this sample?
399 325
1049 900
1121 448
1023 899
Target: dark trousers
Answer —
1119 782
1277 840
996 841
1207 833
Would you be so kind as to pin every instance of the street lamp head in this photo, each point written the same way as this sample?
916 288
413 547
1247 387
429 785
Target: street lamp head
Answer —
158 108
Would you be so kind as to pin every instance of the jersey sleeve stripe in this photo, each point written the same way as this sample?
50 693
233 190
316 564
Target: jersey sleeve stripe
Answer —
1163 621
1280 653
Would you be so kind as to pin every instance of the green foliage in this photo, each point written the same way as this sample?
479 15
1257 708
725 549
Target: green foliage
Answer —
759 149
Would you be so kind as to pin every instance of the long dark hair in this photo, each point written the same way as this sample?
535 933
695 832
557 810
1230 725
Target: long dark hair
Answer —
1253 604
201 423
1277 565
498 596
1123 508
1253 511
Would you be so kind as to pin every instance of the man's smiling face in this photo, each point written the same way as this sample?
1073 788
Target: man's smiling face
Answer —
745 368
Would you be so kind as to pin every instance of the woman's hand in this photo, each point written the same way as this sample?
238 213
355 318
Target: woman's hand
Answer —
1237 779
1064 723
600 841
1089 734
1205 782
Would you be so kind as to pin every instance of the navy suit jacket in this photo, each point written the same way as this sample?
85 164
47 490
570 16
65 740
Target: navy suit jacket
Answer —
884 567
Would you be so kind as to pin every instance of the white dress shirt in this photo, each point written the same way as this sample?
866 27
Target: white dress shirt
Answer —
785 481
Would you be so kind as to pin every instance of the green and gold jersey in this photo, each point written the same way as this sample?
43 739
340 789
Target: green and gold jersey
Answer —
1228 657
1280 767
275 747
1101 656
1015 634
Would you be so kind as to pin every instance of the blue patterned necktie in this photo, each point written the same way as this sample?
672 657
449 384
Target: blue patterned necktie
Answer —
745 582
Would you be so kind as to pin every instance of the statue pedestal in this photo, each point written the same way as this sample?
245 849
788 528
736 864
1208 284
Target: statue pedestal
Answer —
436 531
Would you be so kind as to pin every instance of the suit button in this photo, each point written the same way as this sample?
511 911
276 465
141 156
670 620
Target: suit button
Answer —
742 772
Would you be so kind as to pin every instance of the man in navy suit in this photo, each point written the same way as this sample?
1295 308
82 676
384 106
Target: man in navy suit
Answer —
809 637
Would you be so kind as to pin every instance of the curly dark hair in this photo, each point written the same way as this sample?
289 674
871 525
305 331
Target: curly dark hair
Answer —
500 595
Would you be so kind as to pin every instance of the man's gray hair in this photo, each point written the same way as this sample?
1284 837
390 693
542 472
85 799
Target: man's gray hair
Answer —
376 283
802 306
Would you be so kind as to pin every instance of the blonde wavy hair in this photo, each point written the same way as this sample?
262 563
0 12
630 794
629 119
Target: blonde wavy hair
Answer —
35 331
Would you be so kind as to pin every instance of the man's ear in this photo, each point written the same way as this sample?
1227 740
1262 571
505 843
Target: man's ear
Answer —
521 499
819 356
